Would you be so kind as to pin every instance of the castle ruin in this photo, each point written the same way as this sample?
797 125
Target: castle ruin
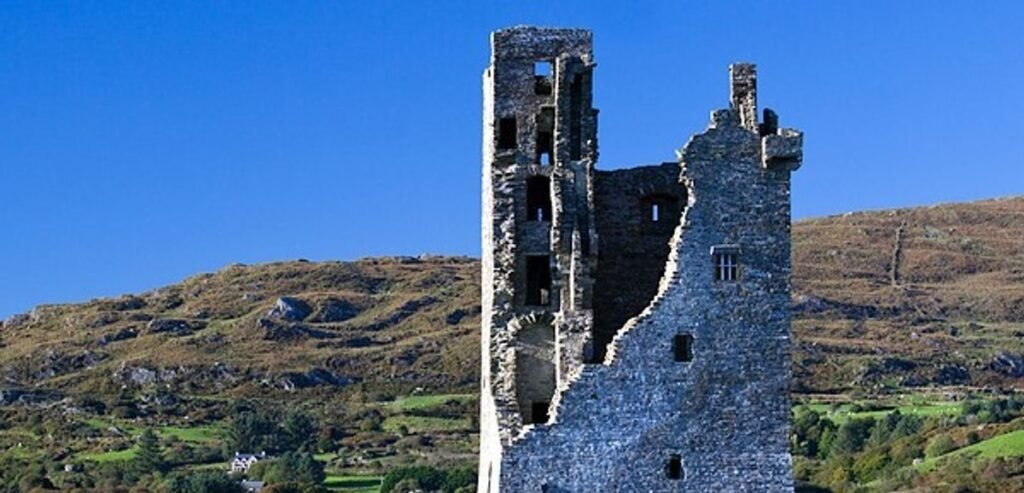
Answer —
636 329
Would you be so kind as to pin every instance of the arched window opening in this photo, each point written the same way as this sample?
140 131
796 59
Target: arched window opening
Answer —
535 372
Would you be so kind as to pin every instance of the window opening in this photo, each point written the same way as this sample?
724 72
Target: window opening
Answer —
674 467
726 266
542 76
538 280
539 411
538 198
682 347
507 138
546 136
654 212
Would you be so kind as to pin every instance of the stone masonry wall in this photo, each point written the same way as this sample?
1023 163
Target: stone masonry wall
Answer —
625 287
632 247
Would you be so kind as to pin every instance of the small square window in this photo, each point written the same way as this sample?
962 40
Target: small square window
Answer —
727 267
682 347
542 68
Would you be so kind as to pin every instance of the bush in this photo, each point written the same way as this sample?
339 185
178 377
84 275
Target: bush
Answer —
204 482
939 445
429 479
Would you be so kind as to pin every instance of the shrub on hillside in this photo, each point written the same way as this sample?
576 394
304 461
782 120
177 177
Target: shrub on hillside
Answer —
429 479
939 445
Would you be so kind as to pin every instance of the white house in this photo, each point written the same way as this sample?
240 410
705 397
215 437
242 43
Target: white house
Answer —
242 462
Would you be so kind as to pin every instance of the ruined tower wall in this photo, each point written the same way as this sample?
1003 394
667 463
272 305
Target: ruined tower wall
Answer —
540 143
724 413
633 242
690 392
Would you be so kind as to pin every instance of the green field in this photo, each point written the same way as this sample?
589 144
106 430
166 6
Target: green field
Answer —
414 402
195 434
420 424
1005 445
112 456
845 412
353 484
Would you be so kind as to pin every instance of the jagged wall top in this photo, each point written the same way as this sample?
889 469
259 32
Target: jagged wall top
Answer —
532 42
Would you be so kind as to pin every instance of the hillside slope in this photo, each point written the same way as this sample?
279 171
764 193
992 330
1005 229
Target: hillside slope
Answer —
914 297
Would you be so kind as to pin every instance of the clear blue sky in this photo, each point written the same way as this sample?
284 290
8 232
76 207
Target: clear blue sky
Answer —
142 142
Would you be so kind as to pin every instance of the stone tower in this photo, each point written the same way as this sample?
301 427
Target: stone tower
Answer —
635 327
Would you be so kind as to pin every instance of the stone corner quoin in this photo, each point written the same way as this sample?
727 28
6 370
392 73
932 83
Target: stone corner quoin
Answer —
635 329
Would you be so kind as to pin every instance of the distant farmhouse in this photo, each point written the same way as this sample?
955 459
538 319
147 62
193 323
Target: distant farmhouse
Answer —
241 463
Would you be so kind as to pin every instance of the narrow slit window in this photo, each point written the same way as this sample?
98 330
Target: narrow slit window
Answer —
726 266
546 136
507 138
674 467
682 347
538 198
655 210
538 280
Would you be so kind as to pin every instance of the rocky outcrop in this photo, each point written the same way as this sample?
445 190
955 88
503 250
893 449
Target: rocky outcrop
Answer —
333 310
1009 364
27 397
121 335
315 377
405 311
290 309
174 326
952 375
276 330
457 315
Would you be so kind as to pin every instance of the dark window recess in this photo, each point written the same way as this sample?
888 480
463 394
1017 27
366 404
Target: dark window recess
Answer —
538 198
727 267
542 75
546 136
575 118
674 467
539 412
538 280
682 347
507 138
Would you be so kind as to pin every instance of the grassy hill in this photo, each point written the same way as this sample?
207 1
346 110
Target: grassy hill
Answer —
919 297
899 310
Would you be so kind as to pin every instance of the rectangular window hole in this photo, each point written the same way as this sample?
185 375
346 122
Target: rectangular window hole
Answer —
538 280
674 467
542 68
682 347
507 133
539 412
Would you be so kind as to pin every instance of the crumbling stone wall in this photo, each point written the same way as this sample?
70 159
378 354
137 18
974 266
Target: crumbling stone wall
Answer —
629 410
632 247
